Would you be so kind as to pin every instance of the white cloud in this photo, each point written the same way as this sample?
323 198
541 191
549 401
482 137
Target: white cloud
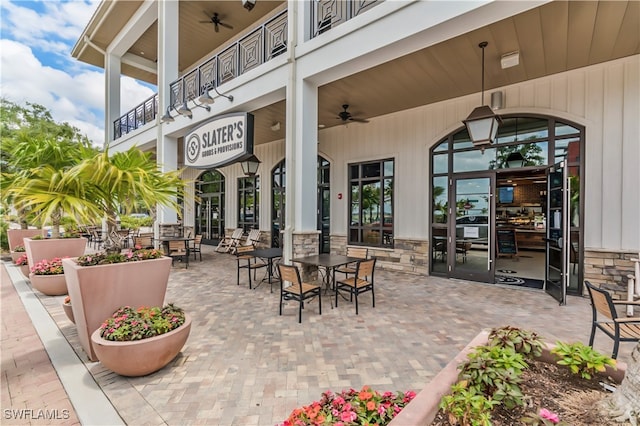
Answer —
36 66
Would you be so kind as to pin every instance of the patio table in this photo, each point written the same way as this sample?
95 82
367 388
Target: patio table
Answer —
269 254
329 262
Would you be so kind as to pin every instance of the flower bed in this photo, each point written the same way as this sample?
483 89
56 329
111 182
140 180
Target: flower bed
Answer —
47 276
104 258
128 324
364 407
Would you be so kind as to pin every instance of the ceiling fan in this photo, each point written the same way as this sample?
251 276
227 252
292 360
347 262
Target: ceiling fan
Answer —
216 21
346 116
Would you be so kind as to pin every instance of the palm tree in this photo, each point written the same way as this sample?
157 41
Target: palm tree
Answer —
99 187
124 181
36 164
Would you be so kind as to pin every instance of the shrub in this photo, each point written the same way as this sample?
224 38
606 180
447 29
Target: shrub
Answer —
527 343
131 256
48 267
466 406
128 324
582 359
4 240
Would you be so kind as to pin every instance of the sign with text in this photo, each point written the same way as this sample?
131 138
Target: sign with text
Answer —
219 142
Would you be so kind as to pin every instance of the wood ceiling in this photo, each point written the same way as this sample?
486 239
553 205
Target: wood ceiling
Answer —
553 38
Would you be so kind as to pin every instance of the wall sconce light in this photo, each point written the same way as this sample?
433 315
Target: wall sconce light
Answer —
186 112
497 100
482 123
167 117
250 165
206 99
515 160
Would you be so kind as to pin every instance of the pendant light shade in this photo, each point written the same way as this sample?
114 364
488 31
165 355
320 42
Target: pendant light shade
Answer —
482 124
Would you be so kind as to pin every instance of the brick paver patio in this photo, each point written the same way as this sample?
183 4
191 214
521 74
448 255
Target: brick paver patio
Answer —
245 365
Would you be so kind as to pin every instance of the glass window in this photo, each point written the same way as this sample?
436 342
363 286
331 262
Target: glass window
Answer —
462 140
440 163
563 129
532 154
522 129
371 201
567 149
248 202
440 195
467 161
442 146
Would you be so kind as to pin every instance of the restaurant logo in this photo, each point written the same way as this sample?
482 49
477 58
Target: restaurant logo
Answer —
219 142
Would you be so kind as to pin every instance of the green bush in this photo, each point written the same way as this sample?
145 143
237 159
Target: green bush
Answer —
465 406
582 359
4 240
525 342
128 222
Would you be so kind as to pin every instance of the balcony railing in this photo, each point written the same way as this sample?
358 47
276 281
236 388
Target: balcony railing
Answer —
259 46
144 113
327 14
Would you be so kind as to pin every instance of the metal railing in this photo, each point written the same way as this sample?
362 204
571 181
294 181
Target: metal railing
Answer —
142 114
327 14
259 46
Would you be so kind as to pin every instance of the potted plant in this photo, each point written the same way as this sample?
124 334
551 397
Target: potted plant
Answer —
23 263
137 342
47 276
39 248
365 406
68 310
100 283
16 237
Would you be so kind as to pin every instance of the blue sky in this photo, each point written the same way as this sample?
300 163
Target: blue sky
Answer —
37 67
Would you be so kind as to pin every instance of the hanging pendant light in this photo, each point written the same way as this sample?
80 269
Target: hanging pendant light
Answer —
482 124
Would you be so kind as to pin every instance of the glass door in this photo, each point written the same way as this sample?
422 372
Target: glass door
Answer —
557 241
470 255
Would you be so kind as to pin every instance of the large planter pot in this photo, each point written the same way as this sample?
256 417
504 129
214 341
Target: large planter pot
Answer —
16 236
25 270
97 291
15 255
141 357
51 248
422 410
51 285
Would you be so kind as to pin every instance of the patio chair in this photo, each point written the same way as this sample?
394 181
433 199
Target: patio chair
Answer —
196 247
143 241
298 290
179 250
361 282
244 261
96 238
618 329
350 268
252 239
227 243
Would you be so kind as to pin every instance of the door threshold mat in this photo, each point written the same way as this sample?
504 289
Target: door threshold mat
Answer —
517 281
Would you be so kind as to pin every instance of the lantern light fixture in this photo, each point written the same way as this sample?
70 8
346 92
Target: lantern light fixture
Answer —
482 123
250 165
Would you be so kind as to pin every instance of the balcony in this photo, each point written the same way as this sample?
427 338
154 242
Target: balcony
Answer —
259 46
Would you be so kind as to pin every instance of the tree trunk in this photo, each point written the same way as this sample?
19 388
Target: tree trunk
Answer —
112 241
55 224
624 404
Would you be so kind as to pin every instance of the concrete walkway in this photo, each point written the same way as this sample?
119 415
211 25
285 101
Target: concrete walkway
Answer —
244 364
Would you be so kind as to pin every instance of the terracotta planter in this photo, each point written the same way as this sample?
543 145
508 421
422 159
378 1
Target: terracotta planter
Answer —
25 270
97 291
38 250
15 255
141 357
68 311
51 285
423 408
16 236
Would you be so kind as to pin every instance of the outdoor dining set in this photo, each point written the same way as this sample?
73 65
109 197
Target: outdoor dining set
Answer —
355 269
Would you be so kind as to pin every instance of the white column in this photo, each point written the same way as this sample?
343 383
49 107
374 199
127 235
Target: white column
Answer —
167 147
112 70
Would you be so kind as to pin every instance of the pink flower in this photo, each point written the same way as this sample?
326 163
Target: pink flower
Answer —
348 416
546 414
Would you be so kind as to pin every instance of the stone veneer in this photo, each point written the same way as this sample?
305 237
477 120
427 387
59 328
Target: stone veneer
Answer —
609 269
406 256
